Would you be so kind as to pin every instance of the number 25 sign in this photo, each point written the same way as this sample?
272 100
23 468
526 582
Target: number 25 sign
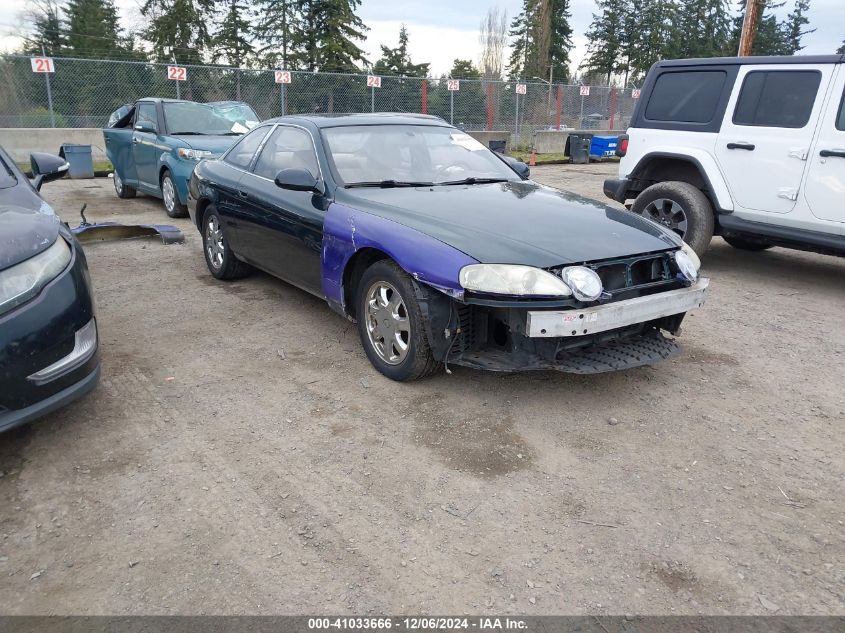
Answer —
177 73
453 84
42 64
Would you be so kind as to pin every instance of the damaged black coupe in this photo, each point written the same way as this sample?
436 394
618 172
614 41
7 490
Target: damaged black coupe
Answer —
443 251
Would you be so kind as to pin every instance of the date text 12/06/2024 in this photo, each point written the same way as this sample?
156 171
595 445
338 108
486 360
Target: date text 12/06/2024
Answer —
418 623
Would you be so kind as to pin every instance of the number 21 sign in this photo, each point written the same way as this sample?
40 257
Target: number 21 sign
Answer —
177 73
42 64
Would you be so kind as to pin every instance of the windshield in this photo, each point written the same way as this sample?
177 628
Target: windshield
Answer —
187 117
410 154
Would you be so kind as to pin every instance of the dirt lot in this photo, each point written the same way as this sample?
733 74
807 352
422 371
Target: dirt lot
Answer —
242 456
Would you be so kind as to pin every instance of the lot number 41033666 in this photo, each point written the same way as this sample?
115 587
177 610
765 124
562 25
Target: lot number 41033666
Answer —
42 64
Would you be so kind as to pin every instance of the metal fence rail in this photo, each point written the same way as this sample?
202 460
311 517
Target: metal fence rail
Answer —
84 92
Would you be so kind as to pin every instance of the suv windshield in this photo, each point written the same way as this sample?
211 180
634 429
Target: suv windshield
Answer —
187 117
396 155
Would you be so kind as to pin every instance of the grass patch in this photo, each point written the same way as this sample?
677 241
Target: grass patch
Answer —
100 167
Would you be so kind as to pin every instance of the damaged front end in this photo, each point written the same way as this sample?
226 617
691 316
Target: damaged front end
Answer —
642 299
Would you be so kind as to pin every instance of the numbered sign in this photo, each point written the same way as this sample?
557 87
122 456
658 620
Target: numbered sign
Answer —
635 93
585 91
521 89
42 64
282 76
373 81
453 84
177 73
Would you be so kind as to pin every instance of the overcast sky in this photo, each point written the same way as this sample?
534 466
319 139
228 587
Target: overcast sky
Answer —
441 30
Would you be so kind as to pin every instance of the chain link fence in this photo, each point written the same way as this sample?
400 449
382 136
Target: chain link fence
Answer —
83 92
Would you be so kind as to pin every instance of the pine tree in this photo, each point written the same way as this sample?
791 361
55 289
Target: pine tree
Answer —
703 26
542 39
794 28
841 49
523 57
769 38
397 61
277 29
92 30
47 29
178 29
605 38
561 41
336 27
232 41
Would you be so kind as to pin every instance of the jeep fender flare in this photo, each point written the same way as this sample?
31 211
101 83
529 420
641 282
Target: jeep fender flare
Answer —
716 187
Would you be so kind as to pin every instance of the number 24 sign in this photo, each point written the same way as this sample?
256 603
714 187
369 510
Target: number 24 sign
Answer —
177 73
42 64
373 81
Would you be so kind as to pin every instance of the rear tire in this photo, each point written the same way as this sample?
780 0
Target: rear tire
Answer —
680 207
219 258
391 325
172 206
120 188
747 244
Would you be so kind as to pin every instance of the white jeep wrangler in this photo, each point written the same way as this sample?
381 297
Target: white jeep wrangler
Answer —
749 148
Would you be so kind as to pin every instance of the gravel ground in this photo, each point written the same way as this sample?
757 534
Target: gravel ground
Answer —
242 456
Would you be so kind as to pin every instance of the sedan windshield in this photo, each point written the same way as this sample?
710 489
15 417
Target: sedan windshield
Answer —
187 117
410 155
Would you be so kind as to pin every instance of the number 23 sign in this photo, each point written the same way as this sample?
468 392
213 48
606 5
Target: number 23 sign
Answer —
177 73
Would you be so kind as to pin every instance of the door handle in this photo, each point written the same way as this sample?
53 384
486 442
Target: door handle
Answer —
136 140
746 146
837 153
243 194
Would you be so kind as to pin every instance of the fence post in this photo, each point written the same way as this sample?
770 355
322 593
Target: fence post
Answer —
372 99
558 103
516 118
424 108
282 98
489 105
49 93
452 107
612 107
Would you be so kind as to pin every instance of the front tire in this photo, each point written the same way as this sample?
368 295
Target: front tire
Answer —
121 188
172 206
680 207
391 325
747 244
219 258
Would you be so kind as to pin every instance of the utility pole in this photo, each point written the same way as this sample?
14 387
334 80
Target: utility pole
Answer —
749 27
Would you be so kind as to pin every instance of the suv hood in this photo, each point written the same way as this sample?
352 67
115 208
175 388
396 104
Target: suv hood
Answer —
25 232
516 222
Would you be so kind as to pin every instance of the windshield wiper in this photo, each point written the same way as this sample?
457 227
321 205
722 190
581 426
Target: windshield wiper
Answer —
386 184
472 180
187 134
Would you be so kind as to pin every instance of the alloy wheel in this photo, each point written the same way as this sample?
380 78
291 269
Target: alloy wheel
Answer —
388 325
169 193
118 183
668 213
214 247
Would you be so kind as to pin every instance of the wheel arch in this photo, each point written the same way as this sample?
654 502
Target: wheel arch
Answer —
360 261
697 168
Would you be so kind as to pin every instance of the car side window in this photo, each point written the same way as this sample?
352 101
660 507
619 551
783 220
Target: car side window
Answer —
242 153
287 148
686 97
147 112
777 98
840 118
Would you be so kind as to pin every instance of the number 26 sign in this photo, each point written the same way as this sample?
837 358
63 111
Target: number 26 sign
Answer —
177 73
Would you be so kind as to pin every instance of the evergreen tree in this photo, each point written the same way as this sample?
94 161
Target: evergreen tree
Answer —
703 26
561 42
605 50
769 38
92 31
178 29
542 39
336 27
794 28
397 61
841 49
653 38
522 62
277 28
47 29
232 42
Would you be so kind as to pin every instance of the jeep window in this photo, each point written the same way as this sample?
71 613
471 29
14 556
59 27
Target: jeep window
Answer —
777 98
686 97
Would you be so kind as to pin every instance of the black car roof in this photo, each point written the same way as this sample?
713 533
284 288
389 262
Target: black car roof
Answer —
376 118
752 60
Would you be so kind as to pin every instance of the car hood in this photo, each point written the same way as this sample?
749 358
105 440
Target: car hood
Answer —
25 232
214 144
516 222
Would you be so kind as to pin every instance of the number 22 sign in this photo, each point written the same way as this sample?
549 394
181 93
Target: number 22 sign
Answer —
177 73
42 64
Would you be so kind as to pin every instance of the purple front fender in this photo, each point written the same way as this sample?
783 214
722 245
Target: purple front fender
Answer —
426 259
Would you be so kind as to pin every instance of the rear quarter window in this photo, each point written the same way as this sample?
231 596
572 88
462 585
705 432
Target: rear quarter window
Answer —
686 97
777 98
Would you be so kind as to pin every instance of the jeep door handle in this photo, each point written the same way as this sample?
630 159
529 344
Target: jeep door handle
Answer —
837 153
746 146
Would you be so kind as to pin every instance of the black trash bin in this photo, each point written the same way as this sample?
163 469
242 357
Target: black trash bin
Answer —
578 147
498 146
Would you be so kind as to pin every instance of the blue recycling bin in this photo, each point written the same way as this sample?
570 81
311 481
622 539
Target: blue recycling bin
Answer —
603 146
79 159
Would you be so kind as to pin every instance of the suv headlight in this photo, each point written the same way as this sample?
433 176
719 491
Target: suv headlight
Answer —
509 279
23 281
193 154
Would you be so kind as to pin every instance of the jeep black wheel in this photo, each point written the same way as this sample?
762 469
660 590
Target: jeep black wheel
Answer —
680 207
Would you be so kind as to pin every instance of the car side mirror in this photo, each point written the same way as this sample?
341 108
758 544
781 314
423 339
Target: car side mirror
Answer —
145 126
298 180
46 167
522 170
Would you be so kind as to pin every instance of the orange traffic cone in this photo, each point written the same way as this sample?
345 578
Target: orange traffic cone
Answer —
532 160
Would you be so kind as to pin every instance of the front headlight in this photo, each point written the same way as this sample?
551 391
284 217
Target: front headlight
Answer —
23 281
696 262
585 282
508 279
193 154
688 263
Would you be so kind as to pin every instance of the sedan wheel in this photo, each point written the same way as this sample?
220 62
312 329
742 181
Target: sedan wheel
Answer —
388 325
219 258
214 246
391 325
174 208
